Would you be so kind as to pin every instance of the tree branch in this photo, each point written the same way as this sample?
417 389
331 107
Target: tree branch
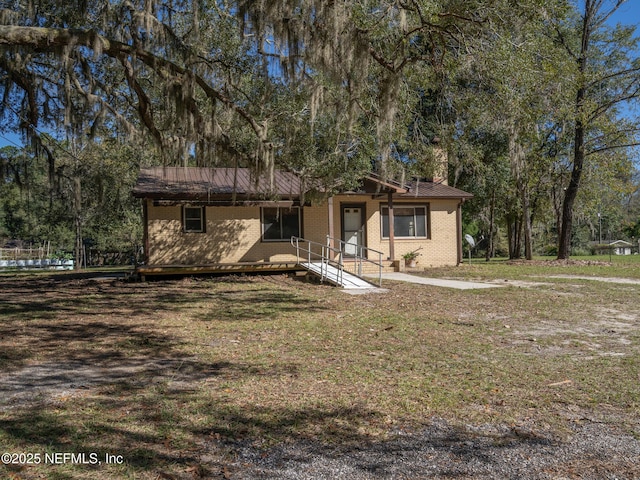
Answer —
612 147
563 42
622 97
21 79
144 103
621 73
49 39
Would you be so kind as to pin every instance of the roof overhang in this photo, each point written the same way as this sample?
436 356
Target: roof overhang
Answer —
382 186
225 203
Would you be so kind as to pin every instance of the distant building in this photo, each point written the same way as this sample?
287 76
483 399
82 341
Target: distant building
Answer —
620 247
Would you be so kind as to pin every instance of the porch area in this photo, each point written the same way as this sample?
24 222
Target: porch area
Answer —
345 266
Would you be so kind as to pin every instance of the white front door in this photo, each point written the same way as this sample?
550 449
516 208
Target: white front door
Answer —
352 229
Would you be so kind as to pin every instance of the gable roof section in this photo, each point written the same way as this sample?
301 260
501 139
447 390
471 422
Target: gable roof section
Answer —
375 183
424 189
214 185
621 243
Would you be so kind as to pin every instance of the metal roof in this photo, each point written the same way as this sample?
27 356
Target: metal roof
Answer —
210 184
201 183
426 189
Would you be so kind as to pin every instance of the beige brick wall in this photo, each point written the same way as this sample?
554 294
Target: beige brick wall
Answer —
233 234
439 250
316 223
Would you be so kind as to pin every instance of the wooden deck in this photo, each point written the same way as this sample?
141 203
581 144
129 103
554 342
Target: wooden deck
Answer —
144 271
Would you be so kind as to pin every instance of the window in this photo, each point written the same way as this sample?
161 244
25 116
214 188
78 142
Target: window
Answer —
408 221
280 224
193 219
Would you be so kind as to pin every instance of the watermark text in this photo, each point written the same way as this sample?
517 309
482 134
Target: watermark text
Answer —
60 458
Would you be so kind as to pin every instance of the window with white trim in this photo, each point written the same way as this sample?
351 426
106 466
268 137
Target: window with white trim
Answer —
280 224
410 221
193 219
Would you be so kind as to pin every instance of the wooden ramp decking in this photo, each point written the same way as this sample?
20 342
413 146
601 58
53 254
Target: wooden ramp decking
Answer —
143 271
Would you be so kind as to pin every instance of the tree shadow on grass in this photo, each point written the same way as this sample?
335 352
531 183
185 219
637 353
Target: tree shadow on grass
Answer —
88 320
45 383
116 384
264 443
438 450
48 298
170 416
257 305
54 297
81 342
153 418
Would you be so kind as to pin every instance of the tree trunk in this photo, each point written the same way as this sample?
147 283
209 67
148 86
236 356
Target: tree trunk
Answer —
490 245
517 251
526 222
557 209
509 237
564 240
517 158
514 232
77 214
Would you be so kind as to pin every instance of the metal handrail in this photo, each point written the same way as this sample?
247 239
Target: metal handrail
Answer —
327 253
324 256
359 257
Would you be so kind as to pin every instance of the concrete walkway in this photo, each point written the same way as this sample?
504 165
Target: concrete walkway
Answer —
437 282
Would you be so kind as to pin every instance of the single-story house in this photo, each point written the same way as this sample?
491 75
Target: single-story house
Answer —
225 216
620 247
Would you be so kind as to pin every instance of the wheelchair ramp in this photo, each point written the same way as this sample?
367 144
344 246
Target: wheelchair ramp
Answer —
336 276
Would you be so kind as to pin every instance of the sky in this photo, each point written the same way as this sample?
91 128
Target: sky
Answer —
627 14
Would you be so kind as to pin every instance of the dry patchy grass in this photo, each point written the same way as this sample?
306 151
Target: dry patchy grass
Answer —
159 372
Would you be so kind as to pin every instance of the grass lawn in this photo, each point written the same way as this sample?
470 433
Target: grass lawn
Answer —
166 375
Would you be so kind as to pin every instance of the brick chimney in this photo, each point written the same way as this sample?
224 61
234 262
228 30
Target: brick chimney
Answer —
440 166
